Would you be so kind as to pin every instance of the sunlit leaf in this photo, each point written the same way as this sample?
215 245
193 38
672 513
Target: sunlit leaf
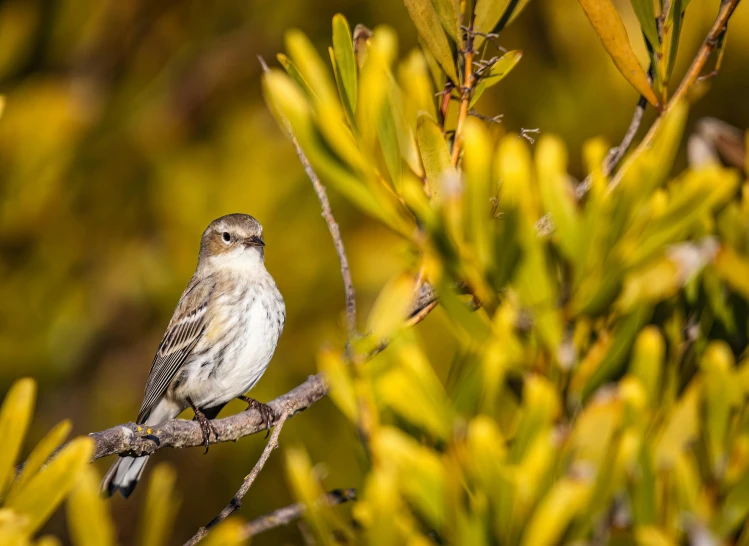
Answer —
734 270
609 27
554 513
647 361
227 533
15 416
494 16
310 65
160 507
342 390
46 490
88 512
39 456
681 428
430 29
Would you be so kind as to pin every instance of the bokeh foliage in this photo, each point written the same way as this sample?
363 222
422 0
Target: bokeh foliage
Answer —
33 492
600 388
129 126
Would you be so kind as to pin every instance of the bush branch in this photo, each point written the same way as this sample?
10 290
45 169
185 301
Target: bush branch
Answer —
236 501
288 514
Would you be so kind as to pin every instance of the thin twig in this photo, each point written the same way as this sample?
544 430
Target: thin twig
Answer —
289 514
335 232
236 501
727 8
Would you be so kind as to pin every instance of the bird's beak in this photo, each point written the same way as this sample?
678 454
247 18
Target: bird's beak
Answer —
253 241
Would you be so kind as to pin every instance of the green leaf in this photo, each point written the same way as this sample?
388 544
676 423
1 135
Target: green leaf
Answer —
15 416
292 71
678 20
492 16
160 508
46 490
448 12
88 513
389 141
430 30
480 188
497 72
343 48
645 13
39 455
434 153
610 29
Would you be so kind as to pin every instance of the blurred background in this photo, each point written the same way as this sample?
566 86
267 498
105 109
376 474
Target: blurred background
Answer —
129 126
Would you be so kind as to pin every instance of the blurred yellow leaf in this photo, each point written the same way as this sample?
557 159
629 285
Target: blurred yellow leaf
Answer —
681 428
556 511
609 27
342 390
495 15
421 473
88 513
228 533
647 361
391 307
310 65
434 153
733 269
46 490
15 416
160 508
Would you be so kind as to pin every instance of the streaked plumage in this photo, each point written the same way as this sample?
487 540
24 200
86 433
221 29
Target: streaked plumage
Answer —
220 339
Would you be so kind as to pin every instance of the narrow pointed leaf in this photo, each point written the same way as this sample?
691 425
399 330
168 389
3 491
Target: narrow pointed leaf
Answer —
448 12
433 149
430 29
645 13
88 512
343 48
46 490
39 456
160 508
497 72
610 29
15 416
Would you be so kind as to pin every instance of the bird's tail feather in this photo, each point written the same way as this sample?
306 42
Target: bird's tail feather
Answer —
124 475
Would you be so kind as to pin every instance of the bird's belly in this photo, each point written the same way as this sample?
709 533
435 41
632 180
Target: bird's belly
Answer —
216 375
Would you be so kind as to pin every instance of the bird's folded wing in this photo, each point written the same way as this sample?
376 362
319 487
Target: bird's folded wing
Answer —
182 335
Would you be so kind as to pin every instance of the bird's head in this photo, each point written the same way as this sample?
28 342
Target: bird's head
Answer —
234 240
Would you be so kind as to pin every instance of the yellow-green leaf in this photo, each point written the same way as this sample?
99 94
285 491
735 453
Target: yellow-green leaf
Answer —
495 15
50 486
479 190
734 270
681 429
343 47
158 515
342 390
434 153
497 72
448 12
391 307
556 511
39 455
646 16
610 29
15 416
310 65
430 29
88 513
647 361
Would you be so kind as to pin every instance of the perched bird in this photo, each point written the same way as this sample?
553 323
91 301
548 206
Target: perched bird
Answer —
219 342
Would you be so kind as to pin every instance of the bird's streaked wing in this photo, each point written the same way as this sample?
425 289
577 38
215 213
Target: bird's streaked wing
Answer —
182 335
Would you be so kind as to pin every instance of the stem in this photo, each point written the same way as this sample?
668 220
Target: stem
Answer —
727 8
466 91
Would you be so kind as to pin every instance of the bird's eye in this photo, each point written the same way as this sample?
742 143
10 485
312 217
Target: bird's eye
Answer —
226 237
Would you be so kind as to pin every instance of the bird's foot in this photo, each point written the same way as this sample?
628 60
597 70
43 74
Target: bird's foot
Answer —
266 412
206 426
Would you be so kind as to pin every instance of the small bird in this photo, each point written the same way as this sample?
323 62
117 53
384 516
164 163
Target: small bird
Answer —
219 342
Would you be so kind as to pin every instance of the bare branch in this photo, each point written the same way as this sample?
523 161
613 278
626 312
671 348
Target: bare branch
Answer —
236 501
335 232
133 439
289 514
